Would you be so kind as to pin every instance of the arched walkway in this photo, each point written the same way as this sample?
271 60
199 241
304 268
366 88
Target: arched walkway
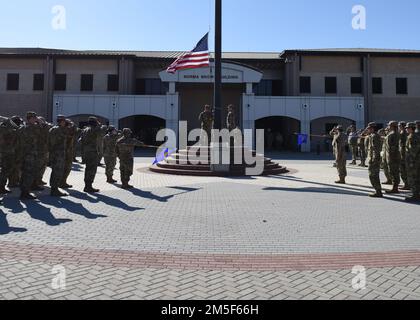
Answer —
280 133
143 126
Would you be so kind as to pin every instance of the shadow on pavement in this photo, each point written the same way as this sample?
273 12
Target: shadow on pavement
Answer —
5 228
38 212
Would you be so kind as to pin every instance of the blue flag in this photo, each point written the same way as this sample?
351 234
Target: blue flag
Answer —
302 139
163 156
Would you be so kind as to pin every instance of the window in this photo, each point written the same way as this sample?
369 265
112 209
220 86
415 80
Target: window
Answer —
330 85
86 82
356 85
305 84
151 87
269 88
13 82
60 82
377 85
402 86
113 82
38 84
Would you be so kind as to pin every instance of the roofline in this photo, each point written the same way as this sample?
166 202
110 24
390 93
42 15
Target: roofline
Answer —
361 53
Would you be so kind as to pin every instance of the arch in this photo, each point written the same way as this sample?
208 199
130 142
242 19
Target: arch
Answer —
145 127
322 126
280 132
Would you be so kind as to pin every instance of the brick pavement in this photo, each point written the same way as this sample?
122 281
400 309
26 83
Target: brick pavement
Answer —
296 236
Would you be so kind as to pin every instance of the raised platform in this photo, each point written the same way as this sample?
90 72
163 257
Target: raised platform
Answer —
179 164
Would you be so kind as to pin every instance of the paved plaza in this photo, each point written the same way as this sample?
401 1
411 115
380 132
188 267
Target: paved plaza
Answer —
296 236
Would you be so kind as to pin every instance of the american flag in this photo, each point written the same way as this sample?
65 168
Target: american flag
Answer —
199 57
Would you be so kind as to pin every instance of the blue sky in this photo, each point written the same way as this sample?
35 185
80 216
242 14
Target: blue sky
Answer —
249 25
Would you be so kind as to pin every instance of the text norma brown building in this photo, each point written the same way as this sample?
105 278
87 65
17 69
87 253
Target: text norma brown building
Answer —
305 91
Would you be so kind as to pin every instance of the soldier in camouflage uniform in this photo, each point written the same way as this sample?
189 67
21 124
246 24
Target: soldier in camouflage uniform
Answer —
384 165
374 159
110 152
125 151
413 162
8 139
71 132
352 140
104 129
43 155
57 148
28 139
339 146
90 138
393 156
16 171
403 142
231 118
206 118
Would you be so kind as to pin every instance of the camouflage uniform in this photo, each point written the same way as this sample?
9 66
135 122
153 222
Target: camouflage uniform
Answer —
28 139
231 121
352 139
57 145
16 171
206 118
110 154
402 147
90 138
43 155
413 162
339 145
101 143
71 132
125 151
361 143
8 140
374 161
393 156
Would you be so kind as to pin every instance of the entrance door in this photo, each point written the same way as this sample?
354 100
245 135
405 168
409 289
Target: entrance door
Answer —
193 97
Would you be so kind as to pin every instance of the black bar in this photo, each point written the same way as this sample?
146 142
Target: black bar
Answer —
218 67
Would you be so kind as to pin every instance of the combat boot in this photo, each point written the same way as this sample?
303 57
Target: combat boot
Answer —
126 186
66 186
27 196
3 190
55 192
406 188
387 183
90 189
111 180
377 194
341 181
393 191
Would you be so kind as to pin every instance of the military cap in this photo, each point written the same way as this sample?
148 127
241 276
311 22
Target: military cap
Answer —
402 123
127 132
61 118
411 125
31 114
372 125
393 124
93 119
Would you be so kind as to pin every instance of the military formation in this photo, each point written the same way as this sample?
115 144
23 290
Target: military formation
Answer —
395 149
28 147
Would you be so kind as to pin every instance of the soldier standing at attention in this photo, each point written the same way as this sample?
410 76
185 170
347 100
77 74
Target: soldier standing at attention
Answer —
361 143
413 162
7 151
339 146
57 148
231 118
43 156
384 164
89 139
125 151
104 129
71 132
110 153
28 140
206 118
16 170
403 142
393 156
374 159
353 136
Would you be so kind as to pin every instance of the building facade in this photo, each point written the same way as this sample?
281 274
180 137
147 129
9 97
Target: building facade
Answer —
296 91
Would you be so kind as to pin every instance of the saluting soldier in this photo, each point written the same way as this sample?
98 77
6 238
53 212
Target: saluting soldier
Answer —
125 151
339 146
374 159
110 152
413 162
71 132
207 119
393 156
8 139
28 140
403 142
57 148
90 138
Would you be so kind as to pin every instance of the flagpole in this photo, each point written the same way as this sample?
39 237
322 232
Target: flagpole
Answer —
218 67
